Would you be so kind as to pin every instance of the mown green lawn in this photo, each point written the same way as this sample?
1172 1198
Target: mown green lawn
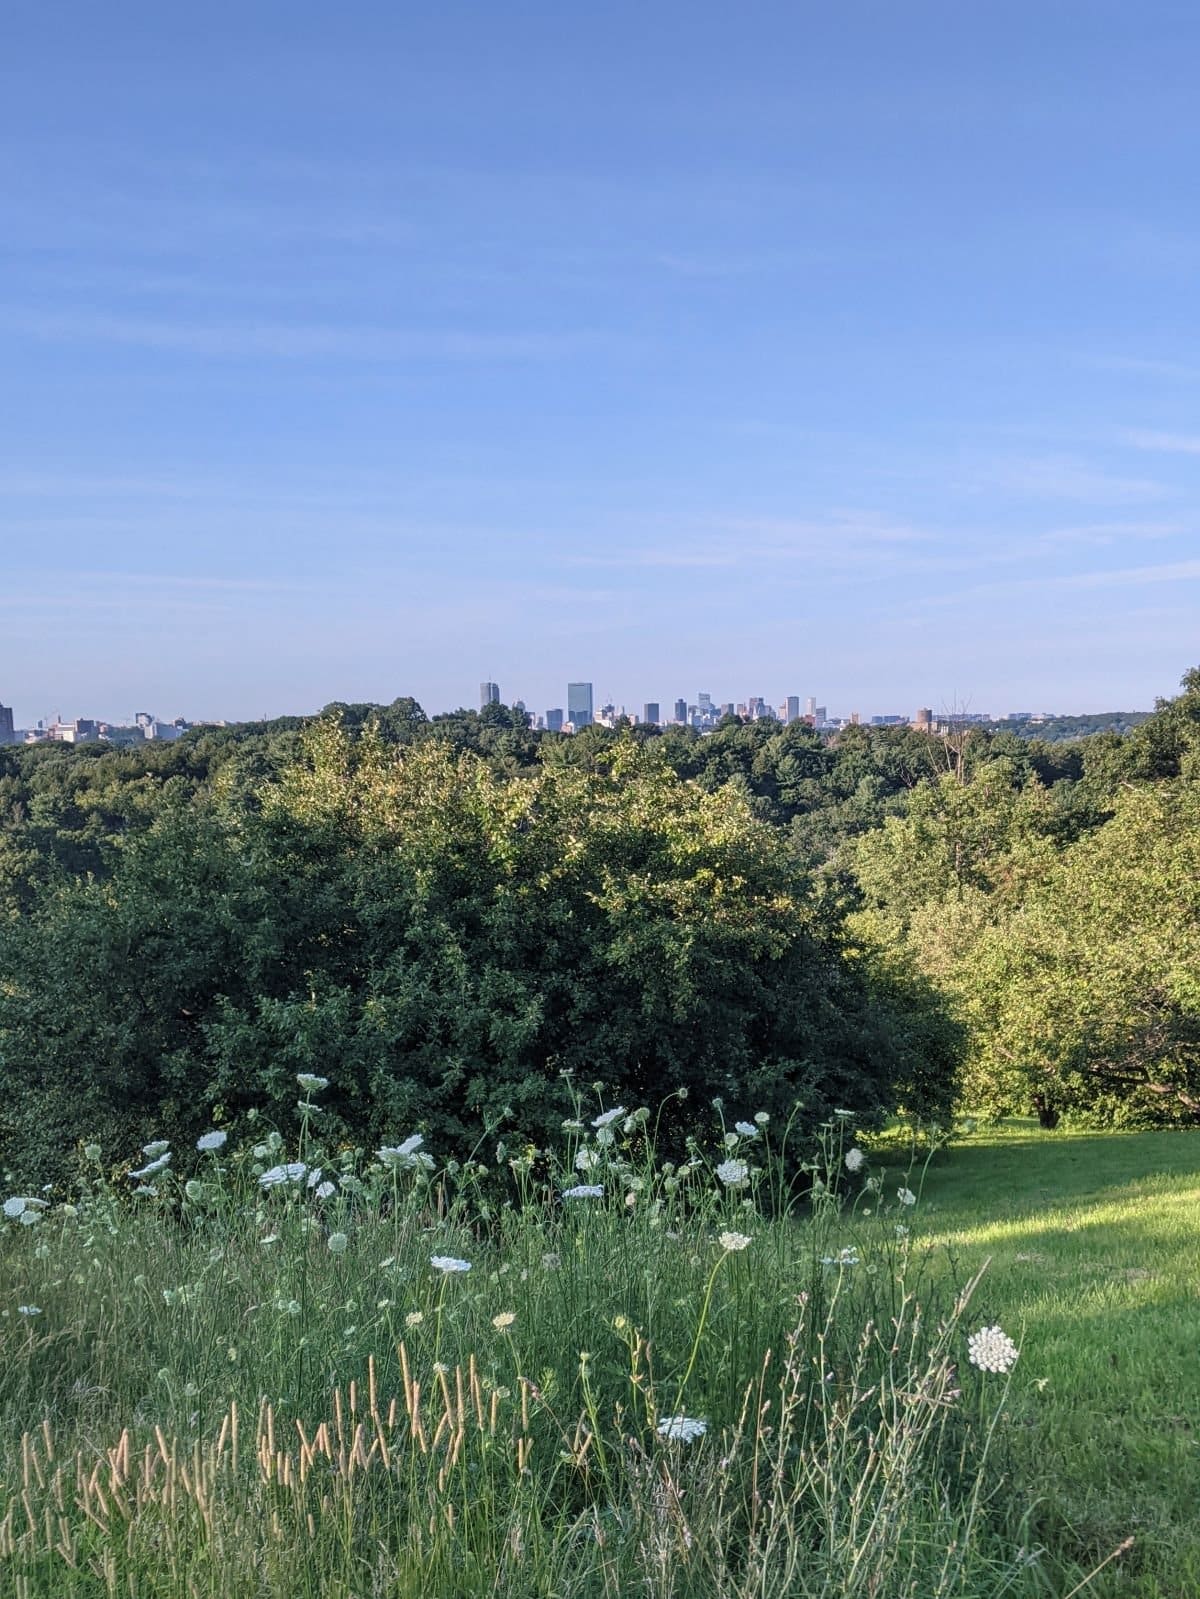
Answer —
1094 1248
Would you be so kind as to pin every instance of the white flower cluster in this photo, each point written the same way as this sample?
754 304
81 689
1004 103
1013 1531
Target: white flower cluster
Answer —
733 1242
584 1191
448 1263
734 1173
855 1159
991 1349
294 1172
407 1156
685 1429
158 1158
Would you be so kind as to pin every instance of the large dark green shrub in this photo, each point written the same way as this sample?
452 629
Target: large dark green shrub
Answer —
443 942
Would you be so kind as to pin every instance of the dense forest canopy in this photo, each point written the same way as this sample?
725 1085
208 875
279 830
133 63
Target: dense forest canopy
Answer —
447 913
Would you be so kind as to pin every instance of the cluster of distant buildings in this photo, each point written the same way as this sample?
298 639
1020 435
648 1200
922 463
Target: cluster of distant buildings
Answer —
87 730
580 710
705 713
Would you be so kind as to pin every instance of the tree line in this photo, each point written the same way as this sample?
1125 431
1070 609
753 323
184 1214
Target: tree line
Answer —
447 914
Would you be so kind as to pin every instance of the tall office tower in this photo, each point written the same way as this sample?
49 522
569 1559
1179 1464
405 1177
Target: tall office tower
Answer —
704 704
489 694
554 720
792 709
579 705
810 705
681 710
755 706
7 733
727 708
820 716
650 713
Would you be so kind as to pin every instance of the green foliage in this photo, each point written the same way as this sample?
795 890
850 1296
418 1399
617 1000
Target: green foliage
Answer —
766 905
250 1383
1088 993
1061 921
454 941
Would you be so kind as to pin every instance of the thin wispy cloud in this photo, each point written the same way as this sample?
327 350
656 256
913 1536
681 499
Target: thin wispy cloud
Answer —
1145 367
838 541
297 341
1132 576
1062 582
1167 443
1066 478
1103 534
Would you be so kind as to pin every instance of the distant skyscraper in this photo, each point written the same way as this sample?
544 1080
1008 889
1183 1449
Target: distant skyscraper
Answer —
810 705
756 705
7 734
793 707
579 705
554 720
650 713
489 694
681 710
820 716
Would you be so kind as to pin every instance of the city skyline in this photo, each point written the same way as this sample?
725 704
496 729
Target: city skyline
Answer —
669 709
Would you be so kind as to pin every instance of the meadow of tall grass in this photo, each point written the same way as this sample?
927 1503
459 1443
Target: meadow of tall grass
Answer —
283 1369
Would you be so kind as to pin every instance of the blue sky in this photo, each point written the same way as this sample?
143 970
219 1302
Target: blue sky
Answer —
357 351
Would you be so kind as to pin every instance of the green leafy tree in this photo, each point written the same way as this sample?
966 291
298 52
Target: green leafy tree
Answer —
444 941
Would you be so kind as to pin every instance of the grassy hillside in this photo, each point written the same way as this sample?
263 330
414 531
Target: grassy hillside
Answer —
304 1372
1094 1249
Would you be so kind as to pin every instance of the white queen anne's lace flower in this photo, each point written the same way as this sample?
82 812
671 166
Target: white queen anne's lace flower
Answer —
683 1429
746 1129
153 1167
584 1191
734 1173
210 1141
844 1257
608 1117
734 1241
311 1083
293 1172
991 1349
406 1156
448 1263
157 1148
906 1196
586 1159
855 1159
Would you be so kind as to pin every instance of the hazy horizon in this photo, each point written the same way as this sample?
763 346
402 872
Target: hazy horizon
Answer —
850 352
634 707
